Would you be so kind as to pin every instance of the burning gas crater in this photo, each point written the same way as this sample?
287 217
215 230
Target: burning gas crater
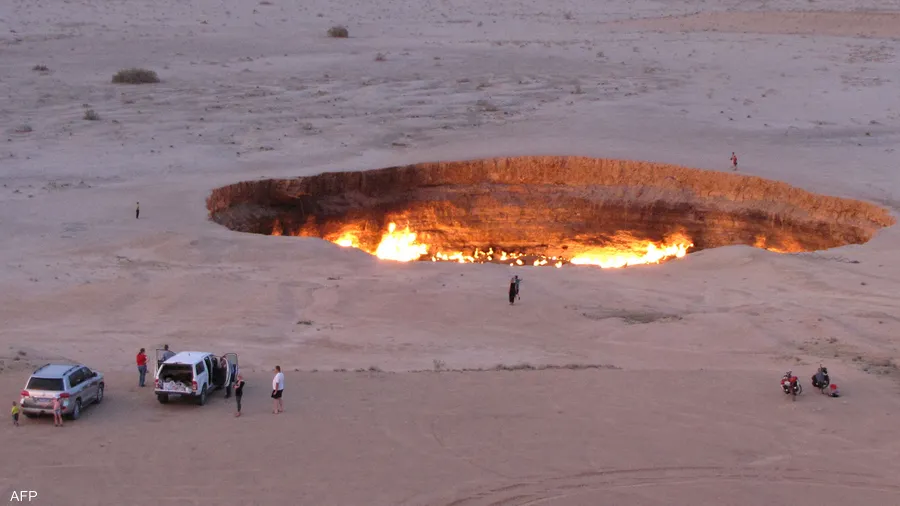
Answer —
621 251
545 211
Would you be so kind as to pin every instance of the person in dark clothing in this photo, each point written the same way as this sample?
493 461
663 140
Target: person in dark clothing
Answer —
137 211
513 289
225 373
238 393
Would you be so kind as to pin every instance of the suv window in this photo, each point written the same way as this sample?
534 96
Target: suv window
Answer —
200 368
76 378
51 384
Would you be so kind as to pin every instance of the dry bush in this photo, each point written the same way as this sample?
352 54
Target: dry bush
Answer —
487 106
338 32
380 57
135 76
23 129
91 115
40 68
516 367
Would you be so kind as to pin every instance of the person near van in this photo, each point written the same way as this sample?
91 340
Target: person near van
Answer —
226 370
278 390
57 412
238 393
15 414
166 354
141 360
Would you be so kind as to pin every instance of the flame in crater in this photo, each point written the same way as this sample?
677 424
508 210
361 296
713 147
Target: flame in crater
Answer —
400 245
347 240
623 250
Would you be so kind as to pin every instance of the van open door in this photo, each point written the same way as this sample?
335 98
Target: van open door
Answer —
232 370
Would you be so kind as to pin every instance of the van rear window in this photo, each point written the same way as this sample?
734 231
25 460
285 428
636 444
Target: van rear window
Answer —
177 368
51 384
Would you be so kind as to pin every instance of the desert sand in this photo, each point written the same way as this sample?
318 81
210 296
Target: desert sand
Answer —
682 406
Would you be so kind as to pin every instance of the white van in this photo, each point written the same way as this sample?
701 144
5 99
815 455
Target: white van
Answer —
194 374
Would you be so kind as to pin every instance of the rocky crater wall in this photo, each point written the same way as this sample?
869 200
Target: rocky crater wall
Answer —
548 205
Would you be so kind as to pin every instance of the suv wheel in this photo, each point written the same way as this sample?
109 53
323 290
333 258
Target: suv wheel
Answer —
99 398
76 411
202 400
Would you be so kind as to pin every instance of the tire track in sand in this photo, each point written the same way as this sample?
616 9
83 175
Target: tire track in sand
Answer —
544 489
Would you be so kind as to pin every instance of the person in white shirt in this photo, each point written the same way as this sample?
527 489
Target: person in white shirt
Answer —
278 389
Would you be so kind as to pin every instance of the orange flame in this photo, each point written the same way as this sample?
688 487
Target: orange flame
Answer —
625 250
629 251
347 240
400 246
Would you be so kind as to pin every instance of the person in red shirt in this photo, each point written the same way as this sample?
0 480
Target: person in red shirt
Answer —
142 366
734 160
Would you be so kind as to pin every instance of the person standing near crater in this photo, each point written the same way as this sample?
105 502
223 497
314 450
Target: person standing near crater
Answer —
137 211
513 289
734 160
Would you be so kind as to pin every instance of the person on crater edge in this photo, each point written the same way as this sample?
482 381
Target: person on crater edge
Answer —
513 289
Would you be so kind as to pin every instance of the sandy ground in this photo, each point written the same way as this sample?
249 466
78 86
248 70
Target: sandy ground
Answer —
689 411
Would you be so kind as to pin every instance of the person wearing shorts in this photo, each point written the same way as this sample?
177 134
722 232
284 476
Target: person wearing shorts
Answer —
57 412
278 390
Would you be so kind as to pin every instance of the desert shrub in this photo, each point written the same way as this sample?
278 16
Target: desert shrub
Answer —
91 115
135 76
380 57
40 68
339 32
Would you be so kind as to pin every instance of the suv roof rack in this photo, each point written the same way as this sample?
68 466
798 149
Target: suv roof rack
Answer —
71 368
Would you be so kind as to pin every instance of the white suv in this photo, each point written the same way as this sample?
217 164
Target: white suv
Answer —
194 374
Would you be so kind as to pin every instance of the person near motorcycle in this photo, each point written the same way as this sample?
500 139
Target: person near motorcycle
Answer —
820 379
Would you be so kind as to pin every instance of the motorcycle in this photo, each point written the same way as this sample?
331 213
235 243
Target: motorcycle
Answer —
821 380
790 384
